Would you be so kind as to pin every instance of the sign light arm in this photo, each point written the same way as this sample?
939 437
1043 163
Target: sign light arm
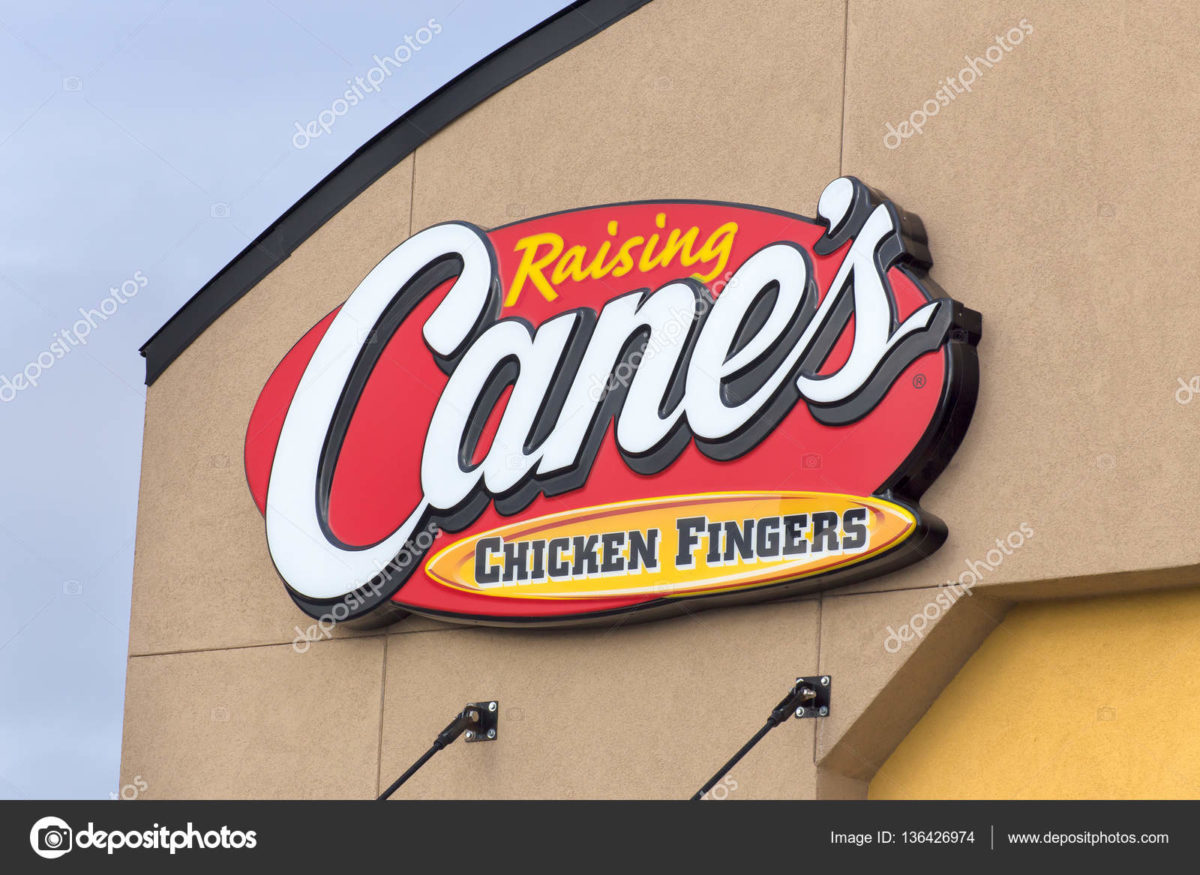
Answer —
808 698
479 720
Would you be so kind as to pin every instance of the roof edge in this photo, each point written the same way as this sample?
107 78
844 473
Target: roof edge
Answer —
564 30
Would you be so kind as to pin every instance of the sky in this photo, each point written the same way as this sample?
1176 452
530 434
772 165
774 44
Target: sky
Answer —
142 146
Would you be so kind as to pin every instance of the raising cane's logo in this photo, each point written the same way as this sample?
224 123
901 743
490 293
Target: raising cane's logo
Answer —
627 408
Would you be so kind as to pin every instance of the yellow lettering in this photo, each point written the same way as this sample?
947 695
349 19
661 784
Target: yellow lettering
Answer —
570 266
718 245
596 269
541 251
647 261
675 243
531 266
623 263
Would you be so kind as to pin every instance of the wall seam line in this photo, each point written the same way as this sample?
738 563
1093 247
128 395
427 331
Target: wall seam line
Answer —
412 192
449 628
382 700
845 61
817 724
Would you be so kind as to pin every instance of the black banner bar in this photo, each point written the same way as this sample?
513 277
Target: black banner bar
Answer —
533 836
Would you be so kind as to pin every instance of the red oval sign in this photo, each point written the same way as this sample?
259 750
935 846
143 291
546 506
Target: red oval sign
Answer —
479 381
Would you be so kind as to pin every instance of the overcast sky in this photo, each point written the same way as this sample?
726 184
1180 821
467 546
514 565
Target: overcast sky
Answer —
145 143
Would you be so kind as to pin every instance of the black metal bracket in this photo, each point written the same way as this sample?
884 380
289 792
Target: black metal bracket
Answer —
808 697
477 719
811 697
489 721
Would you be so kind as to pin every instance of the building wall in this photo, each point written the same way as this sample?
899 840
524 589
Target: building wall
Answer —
1054 194
1083 699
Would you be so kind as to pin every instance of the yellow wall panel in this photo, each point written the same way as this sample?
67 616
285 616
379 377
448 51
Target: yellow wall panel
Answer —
1090 698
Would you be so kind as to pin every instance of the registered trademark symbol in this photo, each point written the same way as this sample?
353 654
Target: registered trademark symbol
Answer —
919 381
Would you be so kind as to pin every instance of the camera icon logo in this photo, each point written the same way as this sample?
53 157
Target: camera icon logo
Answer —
50 837
812 460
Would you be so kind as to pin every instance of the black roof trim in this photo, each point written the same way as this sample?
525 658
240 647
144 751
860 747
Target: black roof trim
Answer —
569 27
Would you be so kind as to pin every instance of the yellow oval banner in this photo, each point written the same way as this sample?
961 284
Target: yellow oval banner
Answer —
678 545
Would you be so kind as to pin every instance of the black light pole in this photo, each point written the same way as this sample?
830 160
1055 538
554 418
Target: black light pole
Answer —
478 719
808 698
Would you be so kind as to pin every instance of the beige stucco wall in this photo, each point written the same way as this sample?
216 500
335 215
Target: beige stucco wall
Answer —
1056 195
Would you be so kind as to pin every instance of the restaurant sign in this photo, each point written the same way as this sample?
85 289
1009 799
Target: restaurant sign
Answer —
642 407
